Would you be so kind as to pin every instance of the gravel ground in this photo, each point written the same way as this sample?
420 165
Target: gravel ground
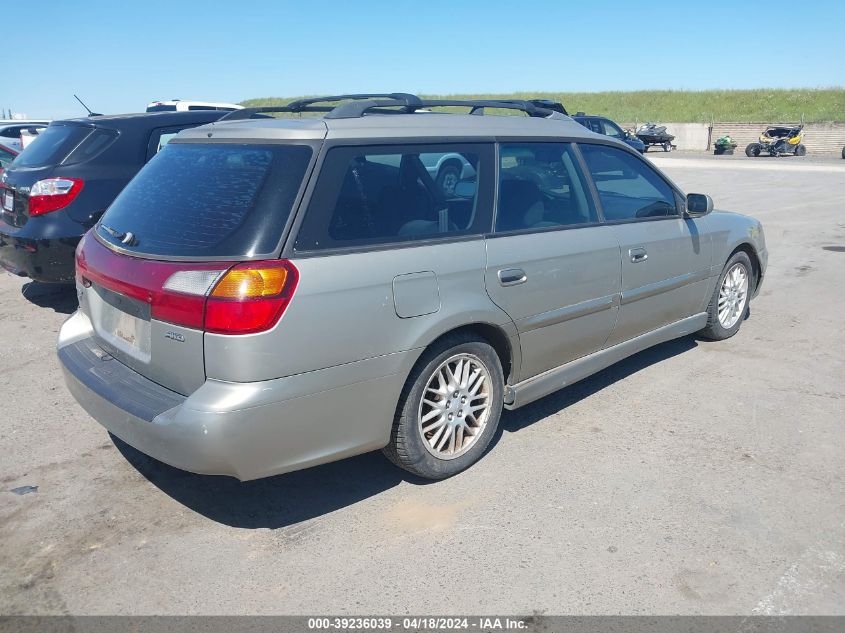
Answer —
693 478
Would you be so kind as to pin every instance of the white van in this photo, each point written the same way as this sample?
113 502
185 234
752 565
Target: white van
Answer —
178 105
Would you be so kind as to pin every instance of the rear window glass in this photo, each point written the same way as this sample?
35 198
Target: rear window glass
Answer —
52 145
208 200
162 108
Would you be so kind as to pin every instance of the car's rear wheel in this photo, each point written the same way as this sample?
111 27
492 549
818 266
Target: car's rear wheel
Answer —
729 303
449 409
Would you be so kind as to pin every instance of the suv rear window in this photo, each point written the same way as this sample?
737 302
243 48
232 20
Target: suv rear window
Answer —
389 194
52 145
208 200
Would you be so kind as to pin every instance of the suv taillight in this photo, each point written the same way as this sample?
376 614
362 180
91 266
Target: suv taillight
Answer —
217 297
52 194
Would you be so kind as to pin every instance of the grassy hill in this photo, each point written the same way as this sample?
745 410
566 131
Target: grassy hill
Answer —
761 105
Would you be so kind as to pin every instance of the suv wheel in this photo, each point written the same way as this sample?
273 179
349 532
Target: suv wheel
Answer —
729 303
449 409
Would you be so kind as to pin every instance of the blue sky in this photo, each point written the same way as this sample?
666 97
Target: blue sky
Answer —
119 55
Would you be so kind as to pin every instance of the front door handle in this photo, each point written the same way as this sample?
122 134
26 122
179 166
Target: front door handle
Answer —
512 276
638 255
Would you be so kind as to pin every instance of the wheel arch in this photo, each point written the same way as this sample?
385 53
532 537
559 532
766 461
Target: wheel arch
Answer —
506 349
749 250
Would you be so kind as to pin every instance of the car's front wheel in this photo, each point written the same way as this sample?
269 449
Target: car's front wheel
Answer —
729 303
449 409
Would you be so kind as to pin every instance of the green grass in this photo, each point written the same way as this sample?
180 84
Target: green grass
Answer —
761 105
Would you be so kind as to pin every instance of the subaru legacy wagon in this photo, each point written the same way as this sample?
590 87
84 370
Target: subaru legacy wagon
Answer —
270 294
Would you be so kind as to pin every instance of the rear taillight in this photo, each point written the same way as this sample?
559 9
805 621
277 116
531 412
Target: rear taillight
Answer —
52 194
216 297
250 297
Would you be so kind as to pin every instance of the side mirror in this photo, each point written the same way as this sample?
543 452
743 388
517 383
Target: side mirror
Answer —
698 204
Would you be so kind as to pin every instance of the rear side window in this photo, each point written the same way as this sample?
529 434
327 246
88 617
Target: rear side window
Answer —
541 186
93 144
208 200
387 194
52 145
629 189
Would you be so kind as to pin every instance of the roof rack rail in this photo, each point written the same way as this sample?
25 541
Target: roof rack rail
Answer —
357 105
310 104
357 109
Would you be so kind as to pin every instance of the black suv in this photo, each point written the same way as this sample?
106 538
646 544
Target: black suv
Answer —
603 125
58 188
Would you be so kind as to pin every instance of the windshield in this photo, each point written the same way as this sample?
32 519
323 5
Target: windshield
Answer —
208 200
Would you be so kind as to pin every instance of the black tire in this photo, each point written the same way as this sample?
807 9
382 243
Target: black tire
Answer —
645 149
448 176
843 152
801 150
667 147
752 150
406 448
714 329
718 151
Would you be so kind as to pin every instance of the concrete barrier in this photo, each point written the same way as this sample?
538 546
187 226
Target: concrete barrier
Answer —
821 139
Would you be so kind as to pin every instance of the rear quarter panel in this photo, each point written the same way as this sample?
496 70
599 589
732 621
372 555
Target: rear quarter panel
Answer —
344 311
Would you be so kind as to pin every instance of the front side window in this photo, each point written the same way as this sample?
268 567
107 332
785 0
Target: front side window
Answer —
628 187
540 186
380 195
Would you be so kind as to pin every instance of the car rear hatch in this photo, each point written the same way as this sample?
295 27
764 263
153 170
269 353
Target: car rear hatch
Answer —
191 246
30 186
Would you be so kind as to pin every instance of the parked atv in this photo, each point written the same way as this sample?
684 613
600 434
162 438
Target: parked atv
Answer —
779 140
724 145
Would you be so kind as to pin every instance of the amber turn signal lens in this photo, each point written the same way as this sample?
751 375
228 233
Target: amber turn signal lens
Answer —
251 283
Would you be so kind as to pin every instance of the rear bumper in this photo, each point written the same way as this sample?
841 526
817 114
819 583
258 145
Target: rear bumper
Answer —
244 430
49 259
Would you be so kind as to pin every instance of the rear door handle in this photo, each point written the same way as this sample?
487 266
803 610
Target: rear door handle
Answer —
638 254
512 276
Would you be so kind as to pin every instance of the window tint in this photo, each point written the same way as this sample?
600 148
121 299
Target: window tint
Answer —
10 132
162 108
52 145
393 194
628 187
93 144
541 186
209 200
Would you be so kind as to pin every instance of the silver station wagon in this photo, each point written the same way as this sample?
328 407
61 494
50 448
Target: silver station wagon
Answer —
269 294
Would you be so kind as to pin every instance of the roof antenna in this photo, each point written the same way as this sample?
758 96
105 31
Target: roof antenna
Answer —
90 113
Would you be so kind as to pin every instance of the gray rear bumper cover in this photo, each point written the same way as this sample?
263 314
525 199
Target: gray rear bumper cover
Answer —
245 430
